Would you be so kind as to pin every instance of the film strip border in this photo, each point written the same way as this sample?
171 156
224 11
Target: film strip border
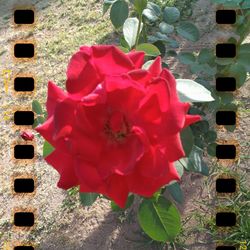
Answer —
25 50
226 150
24 218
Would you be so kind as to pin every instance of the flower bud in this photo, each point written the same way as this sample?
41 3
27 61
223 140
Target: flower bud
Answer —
27 135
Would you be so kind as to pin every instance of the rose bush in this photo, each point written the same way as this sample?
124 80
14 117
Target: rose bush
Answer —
116 128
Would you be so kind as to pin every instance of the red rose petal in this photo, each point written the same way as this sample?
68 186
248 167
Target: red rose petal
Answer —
171 84
137 57
120 157
64 116
141 76
109 60
64 164
87 173
147 186
46 130
149 111
90 119
82 77
153 164
123 94
174 119
173 147
155 68
55 95
190 119
117 189
158 88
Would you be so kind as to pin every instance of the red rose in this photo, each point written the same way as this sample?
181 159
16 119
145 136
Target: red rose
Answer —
27 135
117 128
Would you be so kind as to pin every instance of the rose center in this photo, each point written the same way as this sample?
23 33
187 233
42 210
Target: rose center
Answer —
117 127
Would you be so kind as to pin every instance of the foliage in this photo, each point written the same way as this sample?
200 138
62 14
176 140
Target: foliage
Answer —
167 19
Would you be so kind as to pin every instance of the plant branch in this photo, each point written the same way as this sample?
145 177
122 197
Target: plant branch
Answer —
138 31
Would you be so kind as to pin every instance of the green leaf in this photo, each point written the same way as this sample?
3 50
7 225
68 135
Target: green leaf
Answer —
158 36
152 12
149 49
140 5
199 142
129 202
191 91
243 59
176 192
179 165
183 162
204 126
166 28
187 140
171 53
196 68
119 13
186 57
226 98
157 195
239 72
229 107
36 107
164 65
147 64
125 50
211 149
204 69
130 29
188 31
106 5
47 149
205 56
244 55
159 220
35 124
203 82
210 136
196 162
171 15
40 119
87 199
208 70
230 128
172 43
224 61
124 43
201 127
161 46
195 111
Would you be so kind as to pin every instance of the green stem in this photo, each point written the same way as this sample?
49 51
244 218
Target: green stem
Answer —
144 32
138 31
